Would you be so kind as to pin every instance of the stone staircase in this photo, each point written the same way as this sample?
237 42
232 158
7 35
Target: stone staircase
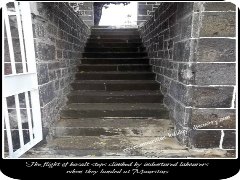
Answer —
115 104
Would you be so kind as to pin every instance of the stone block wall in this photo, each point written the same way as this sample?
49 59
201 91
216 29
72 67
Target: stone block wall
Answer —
145 11
59 37
192 49
85 11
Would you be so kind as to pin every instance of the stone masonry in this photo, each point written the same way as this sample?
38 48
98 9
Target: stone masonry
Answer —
59 36
192 51
85 11
145 11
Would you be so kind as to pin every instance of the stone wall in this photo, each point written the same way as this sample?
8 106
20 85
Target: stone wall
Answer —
145 11
85 11
59 37
192 51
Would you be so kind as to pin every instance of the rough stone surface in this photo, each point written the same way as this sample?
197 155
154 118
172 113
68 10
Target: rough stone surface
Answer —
218 24
213 118
214 74
59 36
216 50
205 139
212 97
224 6
229 140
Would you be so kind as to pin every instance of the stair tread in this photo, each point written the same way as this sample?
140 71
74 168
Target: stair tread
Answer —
115 93
113 143
114 106
115 123
116 81
113 65
116 72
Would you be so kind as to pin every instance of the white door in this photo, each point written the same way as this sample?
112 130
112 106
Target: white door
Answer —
21 107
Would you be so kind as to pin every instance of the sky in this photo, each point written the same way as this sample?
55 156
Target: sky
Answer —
116 15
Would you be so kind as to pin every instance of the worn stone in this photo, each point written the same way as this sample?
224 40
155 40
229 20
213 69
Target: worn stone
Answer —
217 24
212 97
42 72
214 74
205 139
213 118
46 93
216 50
223 6
229 139
180 92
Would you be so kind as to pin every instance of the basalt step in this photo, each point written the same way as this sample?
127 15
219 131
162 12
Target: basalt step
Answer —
114 54
114 49
92 146
132 127
113 44
115 40
114 60
115 85
117 36
114 67
82 96
98 110
114 32
115 76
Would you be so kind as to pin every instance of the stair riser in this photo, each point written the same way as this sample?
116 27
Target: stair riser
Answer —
114 40
115 113
114 55
115 87
107 32
114 68
84 76
110 49
108 131
114 61
113 45
117 36
115 99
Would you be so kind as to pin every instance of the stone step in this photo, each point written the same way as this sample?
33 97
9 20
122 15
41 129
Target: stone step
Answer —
92 146
114 60
113 45
116 40
115 76
114 32
113 127
112 36
114 54
115 85
81 96
114 67
114 49
98 110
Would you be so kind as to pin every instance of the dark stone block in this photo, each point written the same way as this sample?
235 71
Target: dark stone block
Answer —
169 102
219 6
42 73
46 93
180 92
213 118
216 50
45 51
205 138
212 97
218 24
181 51
184 9
229 139
186 27
215 74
